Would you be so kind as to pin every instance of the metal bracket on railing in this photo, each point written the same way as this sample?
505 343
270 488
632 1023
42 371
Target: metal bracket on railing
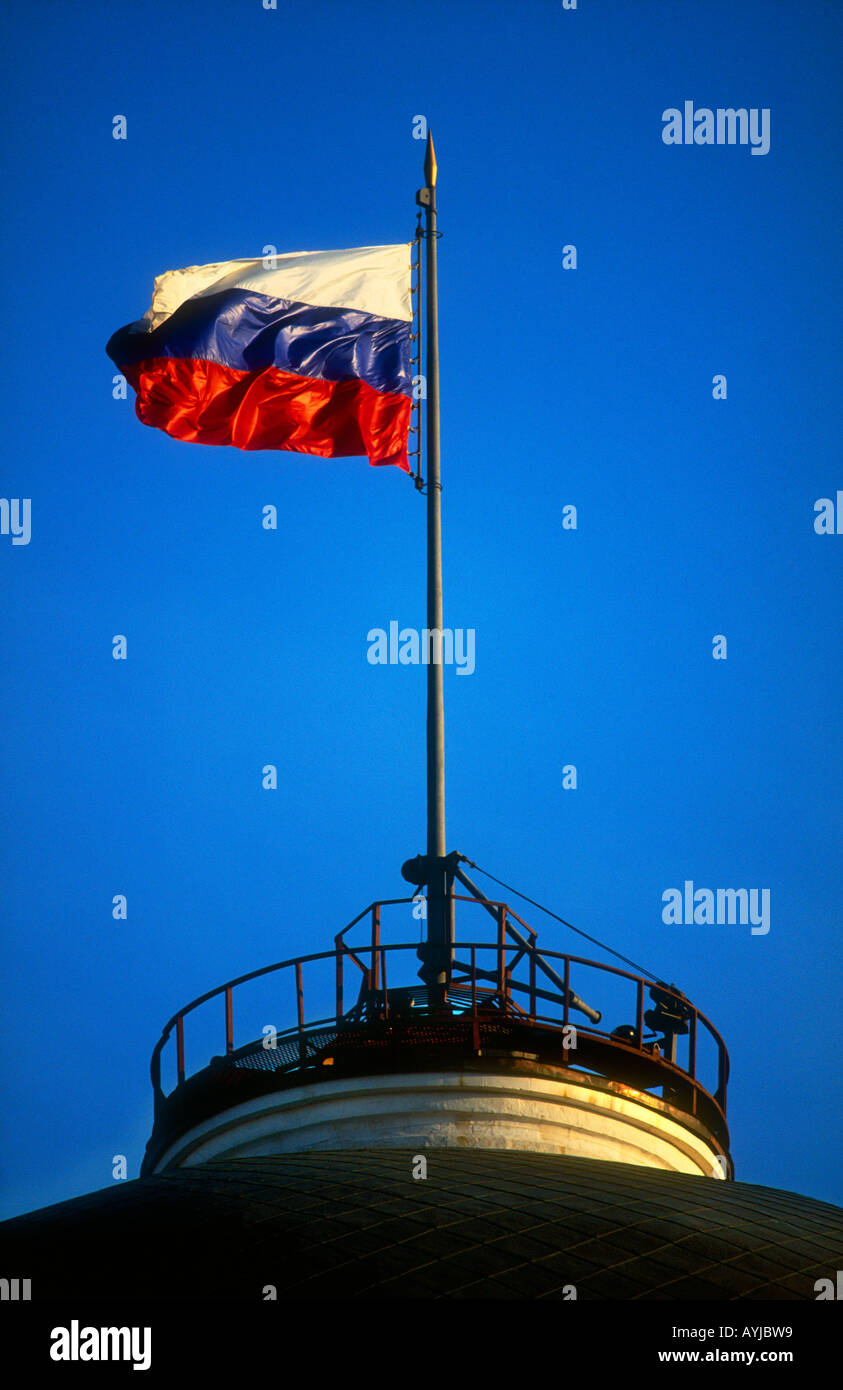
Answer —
529 947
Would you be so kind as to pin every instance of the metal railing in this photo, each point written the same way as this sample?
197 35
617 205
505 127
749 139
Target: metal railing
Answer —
507 983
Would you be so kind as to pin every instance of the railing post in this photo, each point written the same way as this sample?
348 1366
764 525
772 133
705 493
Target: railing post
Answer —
506 970
722 1076
565 1049
692 1046
300 1012
339 982
376 941
501 956
533 979
383 980
229 1021
180 1047
639 1016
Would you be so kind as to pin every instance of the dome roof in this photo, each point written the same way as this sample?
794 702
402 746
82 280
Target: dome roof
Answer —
482 1224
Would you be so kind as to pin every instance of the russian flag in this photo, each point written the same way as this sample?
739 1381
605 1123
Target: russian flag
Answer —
307 351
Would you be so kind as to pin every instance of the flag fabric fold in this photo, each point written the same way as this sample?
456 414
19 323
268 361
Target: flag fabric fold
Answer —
307 351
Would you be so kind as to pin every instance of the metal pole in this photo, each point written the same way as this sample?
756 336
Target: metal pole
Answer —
435 698
439 930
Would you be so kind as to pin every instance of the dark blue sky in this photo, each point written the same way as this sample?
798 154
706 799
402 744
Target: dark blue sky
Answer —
246 647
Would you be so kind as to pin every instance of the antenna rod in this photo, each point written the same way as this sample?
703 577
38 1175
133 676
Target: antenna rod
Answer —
439 930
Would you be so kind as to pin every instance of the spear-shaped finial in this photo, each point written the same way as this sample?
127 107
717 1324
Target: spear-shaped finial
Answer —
430 165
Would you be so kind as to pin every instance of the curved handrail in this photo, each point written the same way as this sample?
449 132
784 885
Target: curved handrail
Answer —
509 954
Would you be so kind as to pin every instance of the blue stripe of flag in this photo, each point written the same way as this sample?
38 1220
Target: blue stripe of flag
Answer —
249 331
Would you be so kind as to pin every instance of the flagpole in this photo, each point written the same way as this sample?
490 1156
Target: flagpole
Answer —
437 956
